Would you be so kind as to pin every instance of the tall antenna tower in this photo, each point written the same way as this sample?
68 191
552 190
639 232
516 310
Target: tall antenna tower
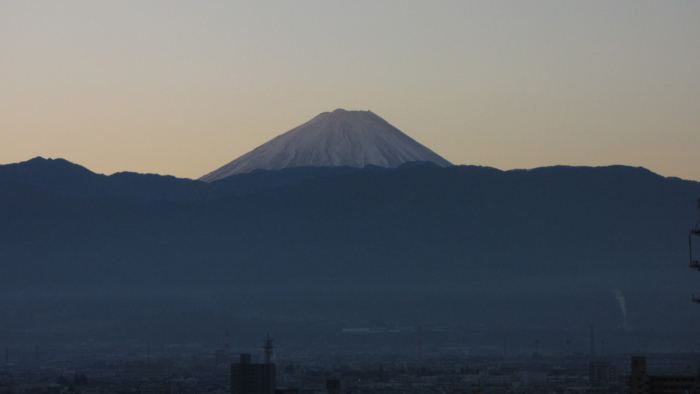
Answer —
227 346
268 348
420 345
694 264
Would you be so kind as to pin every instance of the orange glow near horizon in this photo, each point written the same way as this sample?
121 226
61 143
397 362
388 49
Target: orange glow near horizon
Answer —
182 88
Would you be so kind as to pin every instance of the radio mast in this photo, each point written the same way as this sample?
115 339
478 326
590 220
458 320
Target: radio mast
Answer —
694 264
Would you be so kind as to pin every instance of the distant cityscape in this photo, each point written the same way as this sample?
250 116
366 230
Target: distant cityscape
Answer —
191 368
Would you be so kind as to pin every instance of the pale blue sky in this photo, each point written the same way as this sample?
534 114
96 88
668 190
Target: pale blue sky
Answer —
182 87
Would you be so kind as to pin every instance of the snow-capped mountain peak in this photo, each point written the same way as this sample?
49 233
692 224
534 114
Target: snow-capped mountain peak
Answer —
338 138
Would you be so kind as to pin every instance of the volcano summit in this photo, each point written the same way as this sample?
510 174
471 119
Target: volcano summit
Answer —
331 139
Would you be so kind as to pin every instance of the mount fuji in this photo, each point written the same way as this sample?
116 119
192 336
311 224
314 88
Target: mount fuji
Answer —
333 139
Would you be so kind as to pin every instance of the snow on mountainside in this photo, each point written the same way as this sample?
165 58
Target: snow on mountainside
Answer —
338 138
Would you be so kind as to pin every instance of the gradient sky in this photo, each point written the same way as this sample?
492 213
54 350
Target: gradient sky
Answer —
183 87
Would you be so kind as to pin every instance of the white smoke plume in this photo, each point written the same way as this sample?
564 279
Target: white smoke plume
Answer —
623 307
623 304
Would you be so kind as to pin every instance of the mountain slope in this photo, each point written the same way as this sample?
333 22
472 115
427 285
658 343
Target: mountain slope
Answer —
540 248
338 138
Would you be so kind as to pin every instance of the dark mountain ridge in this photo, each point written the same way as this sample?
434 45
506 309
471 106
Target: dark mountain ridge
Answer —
70 180
459 245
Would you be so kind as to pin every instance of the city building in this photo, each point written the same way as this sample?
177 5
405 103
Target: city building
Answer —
250 378
601 372
640 382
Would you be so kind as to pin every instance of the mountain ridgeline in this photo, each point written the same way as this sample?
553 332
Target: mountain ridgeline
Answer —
547 248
